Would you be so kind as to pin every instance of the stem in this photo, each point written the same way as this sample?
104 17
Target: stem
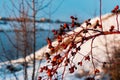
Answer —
103 33
92 53
63 73
117 21
34 45
101 14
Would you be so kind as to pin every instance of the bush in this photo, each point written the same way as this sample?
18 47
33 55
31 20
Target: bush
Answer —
68 45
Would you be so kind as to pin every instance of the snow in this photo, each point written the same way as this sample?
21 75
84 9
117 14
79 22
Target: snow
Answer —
98 51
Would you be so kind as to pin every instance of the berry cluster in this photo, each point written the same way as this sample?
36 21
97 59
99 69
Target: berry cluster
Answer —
69 44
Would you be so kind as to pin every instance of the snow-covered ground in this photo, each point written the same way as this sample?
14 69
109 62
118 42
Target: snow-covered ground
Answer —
99 52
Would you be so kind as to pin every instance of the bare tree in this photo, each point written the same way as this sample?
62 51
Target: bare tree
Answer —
24 13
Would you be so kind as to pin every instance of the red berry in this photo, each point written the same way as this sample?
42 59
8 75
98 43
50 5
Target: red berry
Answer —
87 58
54 59
100 26
80 63
76 18
39 78
65 25
71 69
49 41
97 71
111 29
64 46
41 70
54 32
52 48
49 73
71 17
117 7
59 38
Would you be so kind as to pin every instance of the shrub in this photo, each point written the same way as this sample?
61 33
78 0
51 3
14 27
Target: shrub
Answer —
68 45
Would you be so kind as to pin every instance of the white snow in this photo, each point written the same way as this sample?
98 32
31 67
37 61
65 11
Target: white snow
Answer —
98 51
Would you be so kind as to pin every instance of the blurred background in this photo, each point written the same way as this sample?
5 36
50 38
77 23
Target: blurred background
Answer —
16 29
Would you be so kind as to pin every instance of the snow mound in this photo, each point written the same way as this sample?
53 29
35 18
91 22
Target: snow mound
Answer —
107 21
99 48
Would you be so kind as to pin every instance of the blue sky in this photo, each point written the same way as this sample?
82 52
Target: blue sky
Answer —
83 9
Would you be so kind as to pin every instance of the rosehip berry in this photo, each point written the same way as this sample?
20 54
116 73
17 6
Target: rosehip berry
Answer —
87 58
117 7
97 71
71 17
80 63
